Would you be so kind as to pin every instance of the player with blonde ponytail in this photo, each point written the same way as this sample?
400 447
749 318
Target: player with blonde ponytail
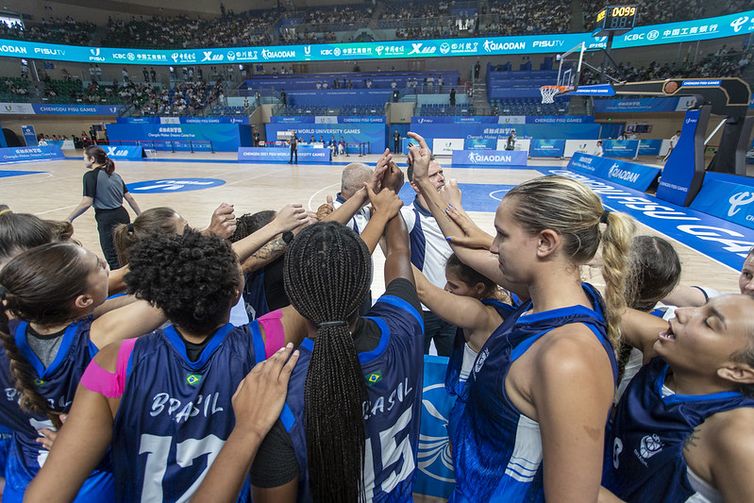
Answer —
537 399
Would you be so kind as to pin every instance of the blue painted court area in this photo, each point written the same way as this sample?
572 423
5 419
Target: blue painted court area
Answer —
5 173
484 197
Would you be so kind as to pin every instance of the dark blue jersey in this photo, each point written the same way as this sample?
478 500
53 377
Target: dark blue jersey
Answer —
497 451
175 414
57 383
644 459
394 374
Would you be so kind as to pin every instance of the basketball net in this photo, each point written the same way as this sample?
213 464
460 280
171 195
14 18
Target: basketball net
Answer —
549 93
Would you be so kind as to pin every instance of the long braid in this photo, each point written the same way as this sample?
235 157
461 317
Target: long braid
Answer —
23 373
327 274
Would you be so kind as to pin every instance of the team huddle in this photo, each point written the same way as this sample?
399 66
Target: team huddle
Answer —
248 361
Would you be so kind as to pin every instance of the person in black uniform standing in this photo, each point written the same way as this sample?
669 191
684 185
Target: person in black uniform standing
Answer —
294 149
105 190
396 142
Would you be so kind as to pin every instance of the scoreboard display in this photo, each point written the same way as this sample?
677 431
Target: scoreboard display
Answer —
615 19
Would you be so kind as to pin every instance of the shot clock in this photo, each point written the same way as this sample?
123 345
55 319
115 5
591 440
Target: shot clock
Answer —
615 20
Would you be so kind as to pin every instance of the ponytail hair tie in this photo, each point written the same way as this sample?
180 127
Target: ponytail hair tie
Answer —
6 210
604 217
333 324
130 228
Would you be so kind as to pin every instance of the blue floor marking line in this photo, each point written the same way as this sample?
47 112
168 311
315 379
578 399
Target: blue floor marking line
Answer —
5 173
724 242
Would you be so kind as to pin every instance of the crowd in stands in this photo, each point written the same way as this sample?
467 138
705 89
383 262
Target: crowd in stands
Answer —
66 31
231 30
186 98
512 17
14 87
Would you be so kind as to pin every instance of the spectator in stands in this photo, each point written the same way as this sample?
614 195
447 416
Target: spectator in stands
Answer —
396 95
146 74
477 69
284 98
453 97
153 74
598 149
124 74
294 149
256 138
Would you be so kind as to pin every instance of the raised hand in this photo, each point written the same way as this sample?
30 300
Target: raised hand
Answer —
393 179
451 194
420 156
385 202
223 223
325 209
473 236
376 181
290 217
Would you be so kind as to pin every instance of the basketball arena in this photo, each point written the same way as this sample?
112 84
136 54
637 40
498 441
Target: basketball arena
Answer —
228 109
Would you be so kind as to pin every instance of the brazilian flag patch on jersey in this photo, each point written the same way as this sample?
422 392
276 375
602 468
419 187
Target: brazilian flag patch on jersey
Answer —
193 379
38 382
373 378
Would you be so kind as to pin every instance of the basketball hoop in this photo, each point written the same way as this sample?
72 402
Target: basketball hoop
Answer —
549 93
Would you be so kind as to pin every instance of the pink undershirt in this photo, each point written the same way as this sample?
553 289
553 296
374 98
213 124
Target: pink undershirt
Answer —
113 384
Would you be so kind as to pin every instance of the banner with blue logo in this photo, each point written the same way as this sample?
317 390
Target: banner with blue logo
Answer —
489 158
741 23
28 154
680 168
171 185
728 197
30 136
338 98
559 119
479 143
124 153
650 147
577 131
76 109
340 119
217 119
283 155
636 105
455 119
374 134
547 148
620 148
629 174
218 137
435 475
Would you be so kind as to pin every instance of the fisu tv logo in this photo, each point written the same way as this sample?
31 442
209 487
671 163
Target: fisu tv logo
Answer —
738 200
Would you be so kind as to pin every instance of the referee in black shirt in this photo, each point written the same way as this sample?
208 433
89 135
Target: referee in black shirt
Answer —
105 190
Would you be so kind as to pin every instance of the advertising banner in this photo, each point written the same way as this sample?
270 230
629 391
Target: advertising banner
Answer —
650 147
446 146
26 154
629 174
620 148
638 105
583 146
489 158
547 148
283 155
125 153
727 197
373 134
741 23
680 169
76 109
220 137
30 135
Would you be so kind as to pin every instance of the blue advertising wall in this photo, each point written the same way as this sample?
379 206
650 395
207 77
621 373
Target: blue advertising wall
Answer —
546 148
649 147
224 137
541 131
218 119
728 197
494 158
503 119
636 105
283 155
741 23
629 174
339 98
479 143
29 134
28 154
76 109
124 153
679 170
327 119
620 148
374 134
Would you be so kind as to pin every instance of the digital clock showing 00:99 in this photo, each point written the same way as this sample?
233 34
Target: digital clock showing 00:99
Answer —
617 17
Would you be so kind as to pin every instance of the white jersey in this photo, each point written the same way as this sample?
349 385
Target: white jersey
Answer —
429 249
360 220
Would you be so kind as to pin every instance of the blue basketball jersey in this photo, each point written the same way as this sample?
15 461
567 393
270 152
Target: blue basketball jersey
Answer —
453 375
644 459
175 414
254 295
497 451
394 375
57 383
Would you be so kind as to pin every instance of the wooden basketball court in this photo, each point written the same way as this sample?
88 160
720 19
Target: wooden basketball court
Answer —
55 191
